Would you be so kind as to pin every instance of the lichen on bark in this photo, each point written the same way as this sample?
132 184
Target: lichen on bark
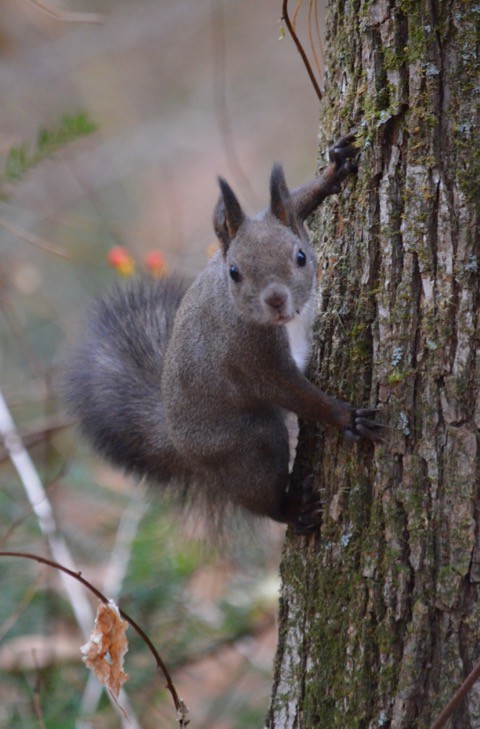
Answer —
380 612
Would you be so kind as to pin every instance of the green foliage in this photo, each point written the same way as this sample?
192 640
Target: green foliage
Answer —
182 621
22 158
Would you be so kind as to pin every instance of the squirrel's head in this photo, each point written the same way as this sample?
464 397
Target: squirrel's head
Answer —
269 263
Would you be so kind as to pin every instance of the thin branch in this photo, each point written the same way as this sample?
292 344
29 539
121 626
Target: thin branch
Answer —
27 598
17 329
38 499
305 60
179 705
310 36
37 709
231 641
457 698
112 585
319 39
220 706
220 100
4 538
33 392
39 432
122 549
64 16
93 199
34 240
295 14
40 503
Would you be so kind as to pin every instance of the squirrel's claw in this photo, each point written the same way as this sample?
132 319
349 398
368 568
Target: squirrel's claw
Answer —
351 436
343 150
363 427
366 412
310 512
347 139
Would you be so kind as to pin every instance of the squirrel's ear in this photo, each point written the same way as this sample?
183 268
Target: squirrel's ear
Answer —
227 216
280 201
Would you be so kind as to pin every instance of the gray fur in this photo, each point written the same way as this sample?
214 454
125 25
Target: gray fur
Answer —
190 385
112 382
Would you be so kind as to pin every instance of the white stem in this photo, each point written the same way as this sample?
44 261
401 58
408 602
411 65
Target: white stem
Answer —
60 552
41 506
112 586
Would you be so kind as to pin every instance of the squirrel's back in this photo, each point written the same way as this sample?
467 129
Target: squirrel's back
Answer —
112 385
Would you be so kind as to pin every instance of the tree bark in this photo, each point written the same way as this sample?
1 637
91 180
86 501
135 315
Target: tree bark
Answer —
380 613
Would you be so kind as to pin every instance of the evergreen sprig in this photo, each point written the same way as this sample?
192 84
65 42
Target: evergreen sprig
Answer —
22 158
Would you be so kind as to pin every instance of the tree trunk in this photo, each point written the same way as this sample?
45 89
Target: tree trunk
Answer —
380 616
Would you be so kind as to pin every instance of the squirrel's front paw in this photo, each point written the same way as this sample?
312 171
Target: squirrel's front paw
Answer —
363 426
309 514
342 151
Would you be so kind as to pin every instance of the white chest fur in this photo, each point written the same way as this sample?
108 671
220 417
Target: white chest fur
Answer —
299 336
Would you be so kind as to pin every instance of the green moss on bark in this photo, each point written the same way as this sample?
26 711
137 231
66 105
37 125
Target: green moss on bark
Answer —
393 572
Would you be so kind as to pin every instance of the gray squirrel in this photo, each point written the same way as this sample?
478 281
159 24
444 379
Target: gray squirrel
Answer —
188 385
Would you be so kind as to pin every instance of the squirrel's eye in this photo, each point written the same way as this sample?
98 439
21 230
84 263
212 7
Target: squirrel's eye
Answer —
301 257
234 274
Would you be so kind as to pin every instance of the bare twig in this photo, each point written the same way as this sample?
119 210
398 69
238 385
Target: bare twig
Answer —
220 705
34 240
231 641
220 100
4 538
305 60
44 513
295 13
92 195
170 200
112 586
319 39
41 506
122 549
27 598
179 705
37 709
310 35
457 698
23 344
33 392
38 432
65 16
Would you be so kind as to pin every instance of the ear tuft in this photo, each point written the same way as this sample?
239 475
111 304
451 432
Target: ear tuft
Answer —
227 216
280 202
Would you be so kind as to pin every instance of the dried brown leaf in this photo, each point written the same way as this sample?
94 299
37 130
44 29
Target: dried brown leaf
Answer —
105 651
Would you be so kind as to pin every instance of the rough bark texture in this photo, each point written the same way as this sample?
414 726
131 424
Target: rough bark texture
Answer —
380 615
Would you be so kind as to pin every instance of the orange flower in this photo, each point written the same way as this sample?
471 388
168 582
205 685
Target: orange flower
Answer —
121 260
156 264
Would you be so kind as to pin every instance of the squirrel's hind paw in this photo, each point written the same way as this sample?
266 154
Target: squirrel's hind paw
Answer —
310 509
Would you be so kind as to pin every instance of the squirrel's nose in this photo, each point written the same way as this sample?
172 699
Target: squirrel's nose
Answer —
276 300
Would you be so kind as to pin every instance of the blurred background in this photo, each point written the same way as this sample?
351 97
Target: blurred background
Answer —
111 135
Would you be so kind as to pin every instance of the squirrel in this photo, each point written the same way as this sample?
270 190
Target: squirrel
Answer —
190 384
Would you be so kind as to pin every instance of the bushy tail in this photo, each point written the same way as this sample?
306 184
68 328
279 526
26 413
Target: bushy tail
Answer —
113 379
